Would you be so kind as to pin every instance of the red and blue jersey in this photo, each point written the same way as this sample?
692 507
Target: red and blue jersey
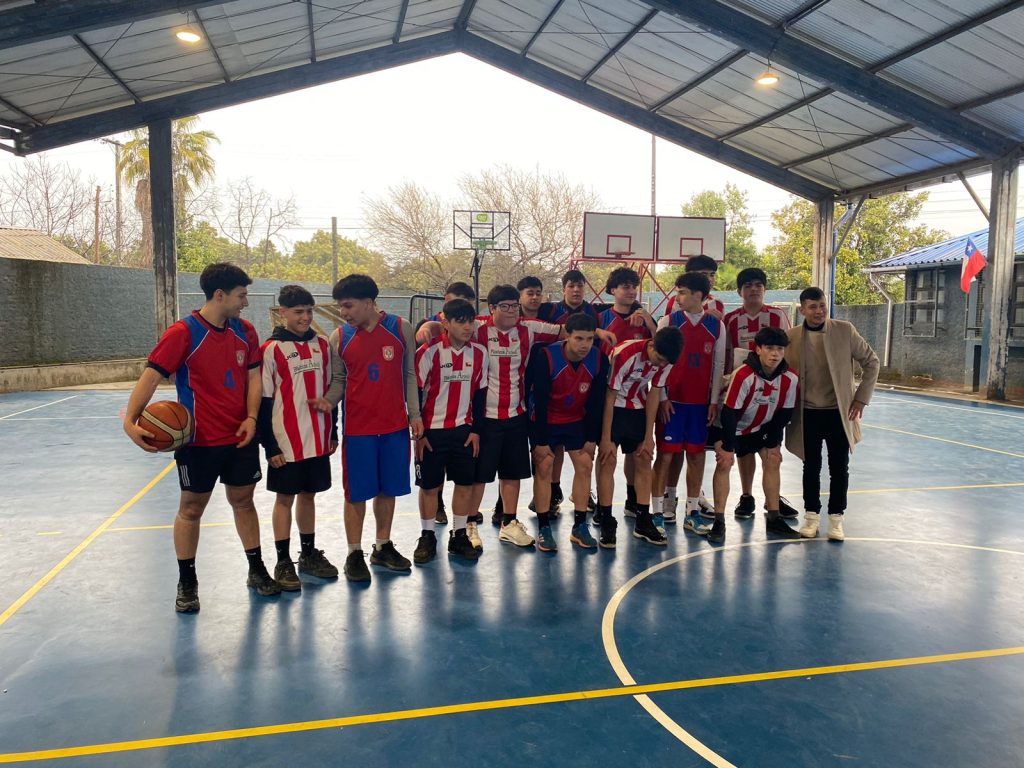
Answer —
374 402
559 312
692 374
570 384
613 322
211 373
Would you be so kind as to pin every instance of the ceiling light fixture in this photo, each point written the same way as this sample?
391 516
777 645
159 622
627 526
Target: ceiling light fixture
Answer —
188 33
767 78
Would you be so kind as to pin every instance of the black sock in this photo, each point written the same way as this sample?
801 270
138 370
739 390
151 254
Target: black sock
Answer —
772 514
282 546
578 518
556 491
604 510
719 516
631 493
543 519
187 571
255 558
506 519
499 506
643 512
306 541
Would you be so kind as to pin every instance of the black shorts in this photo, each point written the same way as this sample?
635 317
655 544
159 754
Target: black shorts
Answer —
199 467
306 476
629 427
570 436
745 444
448 455
504 450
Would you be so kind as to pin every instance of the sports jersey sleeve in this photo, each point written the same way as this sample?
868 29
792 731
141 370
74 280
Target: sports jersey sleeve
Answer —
170 352
412 395
339 373
253 338
718 365
738 388
619 368
543 333
424 362
661 377
269 369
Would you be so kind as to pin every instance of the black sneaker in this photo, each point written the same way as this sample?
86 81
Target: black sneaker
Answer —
780 527
459 545
478 518
286 577
387 556
556 500
260 580
591 502
498 514
441 518
426 548
787 510
355 567
717 533
608 527
187 600
629 508
315 564
745 509
645 529
532 506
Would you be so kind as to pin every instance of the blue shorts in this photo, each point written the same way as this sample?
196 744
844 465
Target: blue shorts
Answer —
687 429
571 436
375 465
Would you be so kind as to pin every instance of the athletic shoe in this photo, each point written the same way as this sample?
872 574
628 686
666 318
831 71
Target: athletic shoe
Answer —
780 527
644 529
629 509
707 509
556 500
668 510
474 537
581 536
478 518
426 548
591 502
499 512
809 529
441 518
597 517
515 533
460 545
835 528
546 540
717 533
786 509
355 566
259 579
532 506
745 509
695 523
387 556
285 575
315 564
608 527
659 523
187 599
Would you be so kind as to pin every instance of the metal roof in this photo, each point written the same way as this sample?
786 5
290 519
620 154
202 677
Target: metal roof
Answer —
947 252
875 96
32 245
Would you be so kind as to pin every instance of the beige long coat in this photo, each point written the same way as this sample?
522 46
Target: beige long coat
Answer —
843 347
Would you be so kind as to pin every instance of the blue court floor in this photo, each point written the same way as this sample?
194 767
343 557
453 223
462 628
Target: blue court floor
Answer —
903 646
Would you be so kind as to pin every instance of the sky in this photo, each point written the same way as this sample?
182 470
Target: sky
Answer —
335 145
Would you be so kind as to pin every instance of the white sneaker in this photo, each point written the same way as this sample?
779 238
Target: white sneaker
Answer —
515 533
707 509
668 511
474 537
835 528
810 527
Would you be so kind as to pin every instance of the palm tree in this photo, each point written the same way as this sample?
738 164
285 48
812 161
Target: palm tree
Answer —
191 166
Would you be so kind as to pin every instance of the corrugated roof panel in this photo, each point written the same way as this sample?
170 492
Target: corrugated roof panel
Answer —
427 17
580 34
841 173
950 251
909 154
833 121
631 81
714 114
371 23
781 145
1006 115
507 23
773 11
32 245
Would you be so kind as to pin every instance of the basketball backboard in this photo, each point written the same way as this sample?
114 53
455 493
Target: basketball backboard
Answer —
680 237
618 237
481 231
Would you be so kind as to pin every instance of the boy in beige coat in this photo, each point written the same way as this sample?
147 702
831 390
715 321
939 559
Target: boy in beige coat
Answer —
823 351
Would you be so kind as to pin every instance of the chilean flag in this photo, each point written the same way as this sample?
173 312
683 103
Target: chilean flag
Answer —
974 262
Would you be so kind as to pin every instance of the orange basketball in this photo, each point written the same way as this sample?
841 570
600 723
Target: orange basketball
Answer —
169 422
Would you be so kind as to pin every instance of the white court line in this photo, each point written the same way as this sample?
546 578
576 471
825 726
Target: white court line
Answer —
980 409
35 408
60 418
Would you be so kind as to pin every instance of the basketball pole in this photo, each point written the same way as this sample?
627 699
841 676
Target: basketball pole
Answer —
475 271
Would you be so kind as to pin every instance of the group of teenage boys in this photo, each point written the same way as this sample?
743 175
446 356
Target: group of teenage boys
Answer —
503 396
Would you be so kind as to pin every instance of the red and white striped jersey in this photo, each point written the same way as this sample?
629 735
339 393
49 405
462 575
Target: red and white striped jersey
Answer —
715 305
741 328
294 372
507 355
632 371
757 398
449 378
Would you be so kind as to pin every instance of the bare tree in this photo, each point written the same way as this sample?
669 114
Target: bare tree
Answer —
51 198
253 219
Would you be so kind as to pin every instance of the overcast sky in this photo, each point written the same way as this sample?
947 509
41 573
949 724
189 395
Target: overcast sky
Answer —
335 145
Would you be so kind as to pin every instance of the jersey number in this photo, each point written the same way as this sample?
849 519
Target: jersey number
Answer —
229 380
373 372
693 360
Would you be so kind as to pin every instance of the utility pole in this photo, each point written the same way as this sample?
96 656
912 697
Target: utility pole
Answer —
334 249
96 231
117 145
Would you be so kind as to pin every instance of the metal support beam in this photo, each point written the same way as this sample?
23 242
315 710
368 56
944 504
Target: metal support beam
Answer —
161 195
703 77
542 27
613 51
462 22
8 106
802 13
915 180
312 31
62 18
766 40
999 281
604 102
821 256
103 65
397 37
238 92
213 49
974 196
889 133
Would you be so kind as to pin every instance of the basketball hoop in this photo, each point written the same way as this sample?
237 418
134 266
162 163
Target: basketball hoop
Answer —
479 232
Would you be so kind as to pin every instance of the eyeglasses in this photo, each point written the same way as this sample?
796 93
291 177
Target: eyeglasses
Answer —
508 306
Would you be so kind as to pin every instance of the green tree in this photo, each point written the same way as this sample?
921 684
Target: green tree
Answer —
884 228
311 261
200 245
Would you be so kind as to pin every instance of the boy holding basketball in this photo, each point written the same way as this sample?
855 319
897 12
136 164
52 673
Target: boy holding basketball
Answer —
298 427
215 357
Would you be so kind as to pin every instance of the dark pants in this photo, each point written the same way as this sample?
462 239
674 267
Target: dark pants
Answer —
826 426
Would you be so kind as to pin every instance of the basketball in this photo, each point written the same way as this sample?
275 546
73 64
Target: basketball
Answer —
169 422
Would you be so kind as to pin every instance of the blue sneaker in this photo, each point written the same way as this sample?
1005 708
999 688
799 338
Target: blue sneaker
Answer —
582 537
694 522
659 522
546 540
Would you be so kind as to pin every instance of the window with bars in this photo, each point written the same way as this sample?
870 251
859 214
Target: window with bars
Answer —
925 302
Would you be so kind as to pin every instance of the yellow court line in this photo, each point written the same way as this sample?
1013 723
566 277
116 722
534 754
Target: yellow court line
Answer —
934 488
483 706
945 440
160 527
34 589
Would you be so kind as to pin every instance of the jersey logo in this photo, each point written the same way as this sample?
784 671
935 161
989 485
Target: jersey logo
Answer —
388 352
584 386
240 356
708 347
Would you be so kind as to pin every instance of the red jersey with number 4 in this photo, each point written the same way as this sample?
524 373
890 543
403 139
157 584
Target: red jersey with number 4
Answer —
449 378
293 373
757 398
211 373
632 371
374 402
507 355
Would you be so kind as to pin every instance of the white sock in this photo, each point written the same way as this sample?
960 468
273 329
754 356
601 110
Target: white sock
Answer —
692 504
355 547
670 493
427 525
459 521
656 504
378 543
